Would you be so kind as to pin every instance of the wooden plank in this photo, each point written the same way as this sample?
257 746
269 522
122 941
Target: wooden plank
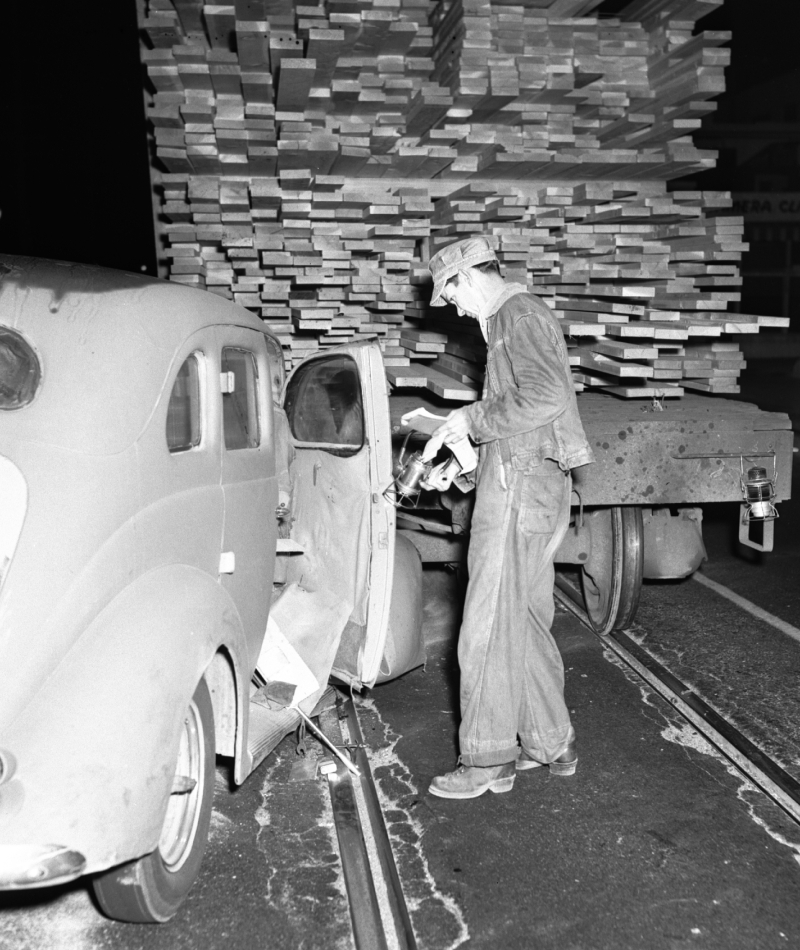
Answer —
603 364
408 377
624 351
649 391
449 388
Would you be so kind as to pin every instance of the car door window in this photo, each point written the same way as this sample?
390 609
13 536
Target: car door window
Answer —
183 410
240 399
324 406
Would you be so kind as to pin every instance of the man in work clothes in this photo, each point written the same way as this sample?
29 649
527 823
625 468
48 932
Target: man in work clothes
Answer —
513 715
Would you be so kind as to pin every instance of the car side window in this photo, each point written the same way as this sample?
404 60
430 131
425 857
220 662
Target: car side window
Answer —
324 407
240 399
183 411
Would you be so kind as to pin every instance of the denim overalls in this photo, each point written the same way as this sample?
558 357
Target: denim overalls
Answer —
530 436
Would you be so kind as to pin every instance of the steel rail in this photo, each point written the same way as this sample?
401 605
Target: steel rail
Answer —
754 764
370 926
397 901
365 914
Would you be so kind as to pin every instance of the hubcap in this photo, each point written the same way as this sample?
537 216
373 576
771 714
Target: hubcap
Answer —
183 810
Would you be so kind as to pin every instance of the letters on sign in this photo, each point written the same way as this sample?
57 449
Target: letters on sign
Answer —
768 206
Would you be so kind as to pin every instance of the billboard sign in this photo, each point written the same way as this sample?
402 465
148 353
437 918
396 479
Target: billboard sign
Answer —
761 206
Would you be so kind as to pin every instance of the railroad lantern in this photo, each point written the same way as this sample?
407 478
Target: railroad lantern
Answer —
404 491
758 490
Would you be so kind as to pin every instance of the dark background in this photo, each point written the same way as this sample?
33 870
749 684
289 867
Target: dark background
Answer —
75 181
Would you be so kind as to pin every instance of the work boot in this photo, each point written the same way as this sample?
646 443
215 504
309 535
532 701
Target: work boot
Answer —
470 781
565 762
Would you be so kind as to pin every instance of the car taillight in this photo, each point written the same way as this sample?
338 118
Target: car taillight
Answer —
8 766
20 370
14 495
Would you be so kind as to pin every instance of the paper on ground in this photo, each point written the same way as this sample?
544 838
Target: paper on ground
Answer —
279 661
303 634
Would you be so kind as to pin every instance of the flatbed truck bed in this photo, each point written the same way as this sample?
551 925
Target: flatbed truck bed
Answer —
636 509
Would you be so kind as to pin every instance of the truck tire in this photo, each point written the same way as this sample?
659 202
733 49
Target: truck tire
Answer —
152 889
611 579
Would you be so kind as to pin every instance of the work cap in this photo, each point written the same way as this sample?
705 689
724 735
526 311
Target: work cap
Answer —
455 257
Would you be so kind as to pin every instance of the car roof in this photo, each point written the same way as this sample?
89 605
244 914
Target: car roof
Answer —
106 340
76 291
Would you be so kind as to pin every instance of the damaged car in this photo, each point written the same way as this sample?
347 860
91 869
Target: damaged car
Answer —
182 527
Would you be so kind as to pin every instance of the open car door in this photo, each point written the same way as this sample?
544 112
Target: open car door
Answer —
337 409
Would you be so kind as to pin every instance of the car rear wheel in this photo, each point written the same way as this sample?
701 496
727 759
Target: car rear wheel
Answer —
152 888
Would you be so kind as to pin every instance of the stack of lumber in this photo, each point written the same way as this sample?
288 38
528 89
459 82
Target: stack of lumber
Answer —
362 88
310 159
552 97
263 87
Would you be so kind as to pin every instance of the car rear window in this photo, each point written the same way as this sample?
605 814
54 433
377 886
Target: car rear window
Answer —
240 403
20 371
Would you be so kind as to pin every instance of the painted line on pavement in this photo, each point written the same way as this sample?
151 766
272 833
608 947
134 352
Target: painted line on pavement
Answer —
750 607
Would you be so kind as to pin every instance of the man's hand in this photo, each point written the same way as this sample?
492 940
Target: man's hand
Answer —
455 428
441 477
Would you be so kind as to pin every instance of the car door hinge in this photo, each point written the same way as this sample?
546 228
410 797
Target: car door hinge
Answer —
383 540
227 382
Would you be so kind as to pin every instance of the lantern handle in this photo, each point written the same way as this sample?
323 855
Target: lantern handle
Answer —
750 458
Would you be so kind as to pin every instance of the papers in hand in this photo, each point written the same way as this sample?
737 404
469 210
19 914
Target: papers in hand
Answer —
422 420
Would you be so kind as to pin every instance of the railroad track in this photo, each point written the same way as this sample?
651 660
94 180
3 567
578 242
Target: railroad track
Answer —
754 764
378 910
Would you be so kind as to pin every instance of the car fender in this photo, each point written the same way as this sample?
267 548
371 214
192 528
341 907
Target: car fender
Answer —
98 742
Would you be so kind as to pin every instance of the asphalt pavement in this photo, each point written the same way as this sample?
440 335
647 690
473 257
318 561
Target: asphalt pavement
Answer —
654 843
